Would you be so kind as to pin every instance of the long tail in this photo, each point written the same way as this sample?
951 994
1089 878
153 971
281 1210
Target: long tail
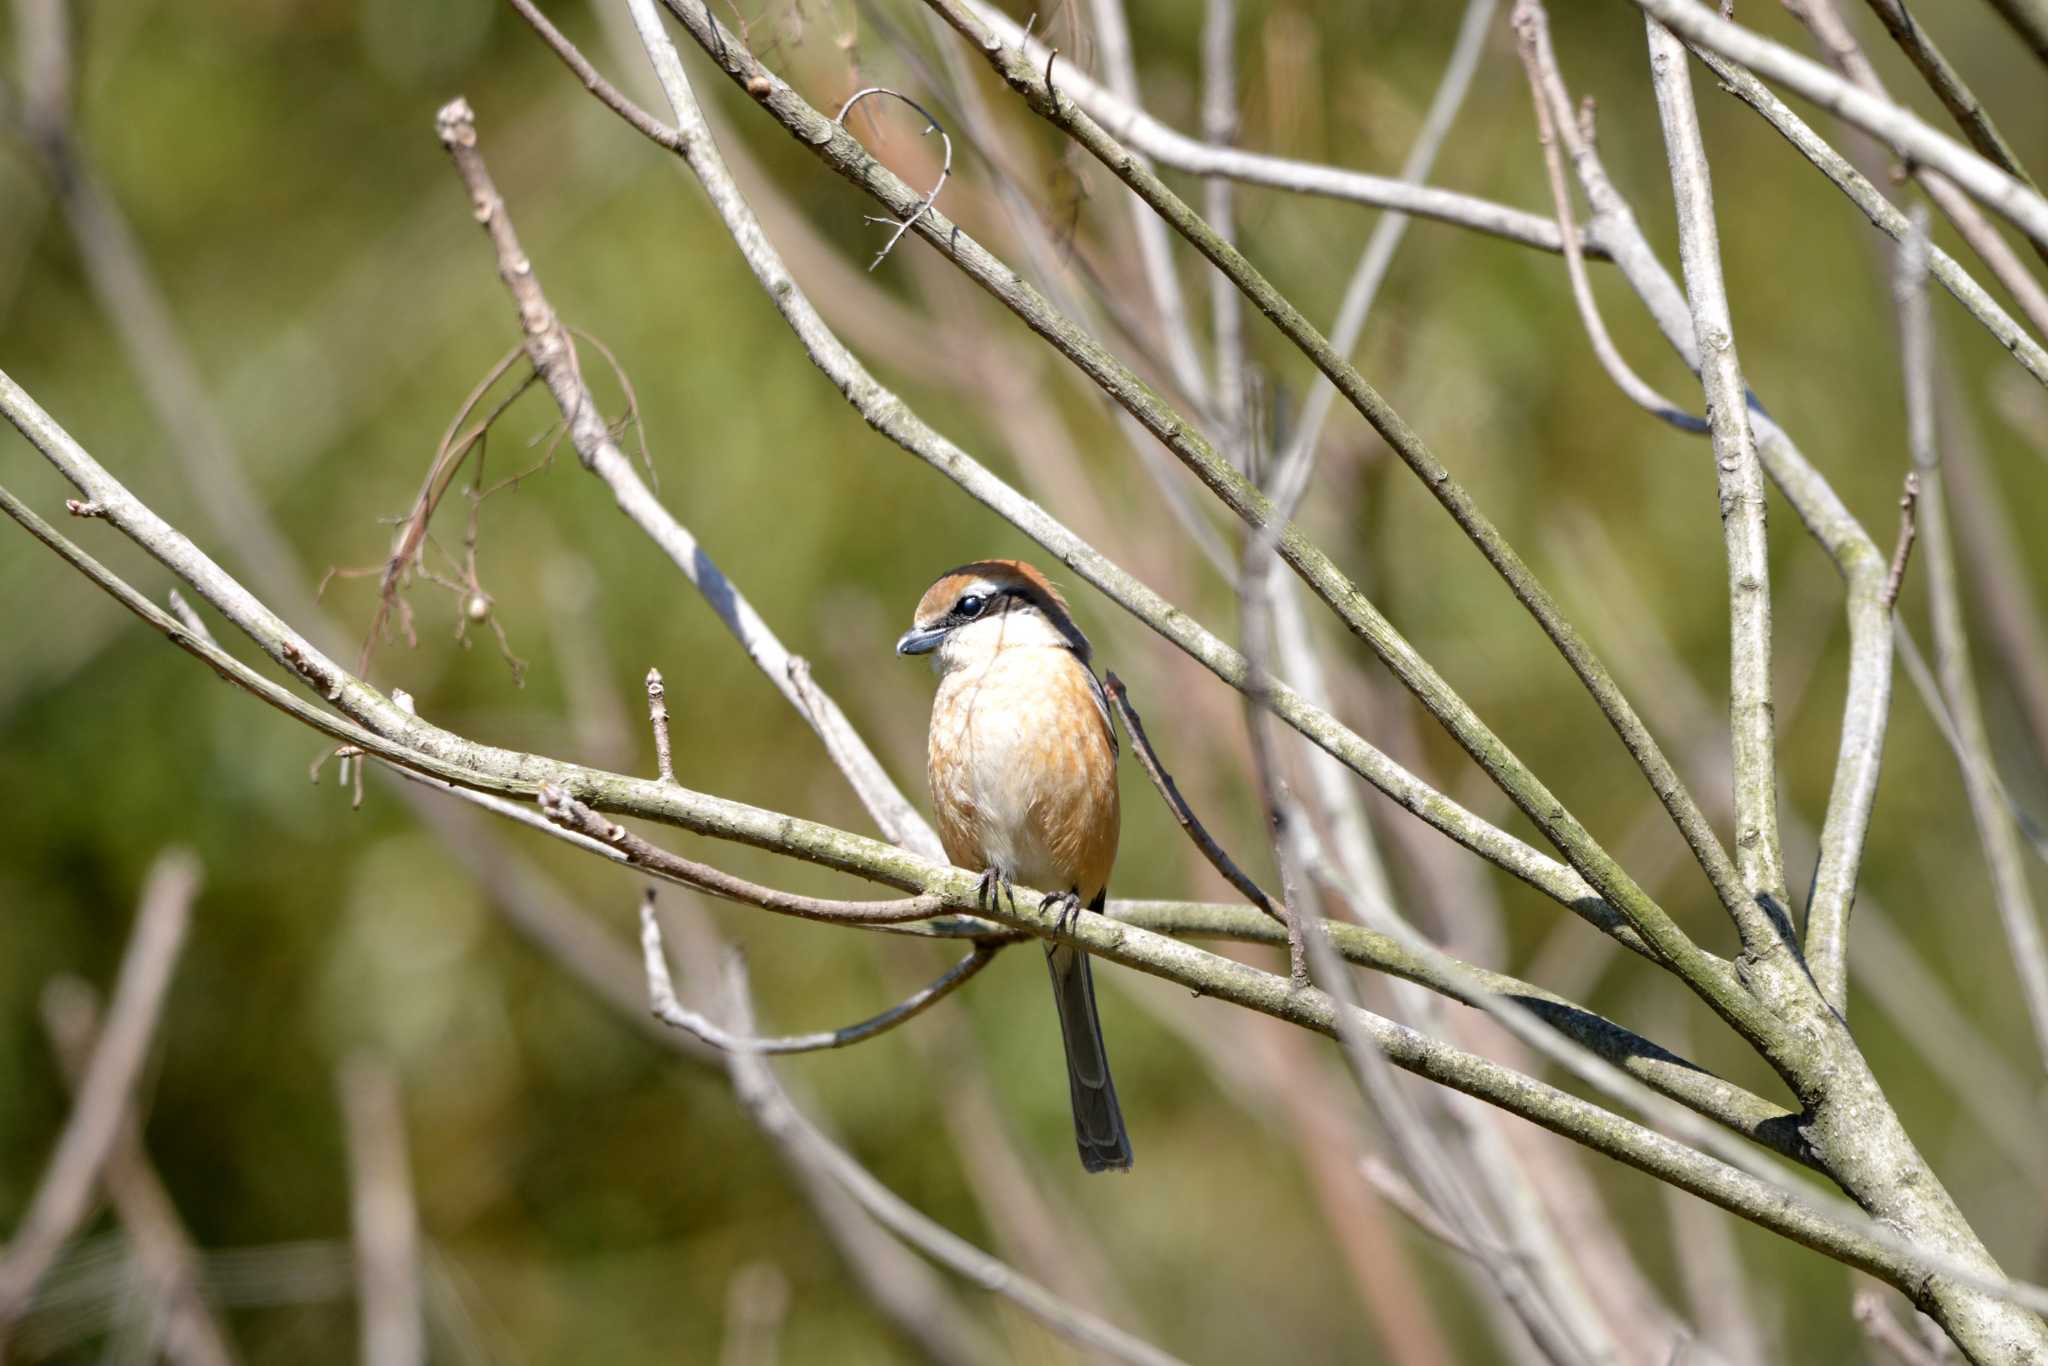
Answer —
1098 1120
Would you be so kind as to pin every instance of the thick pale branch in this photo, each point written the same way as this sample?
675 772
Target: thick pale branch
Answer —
1741 482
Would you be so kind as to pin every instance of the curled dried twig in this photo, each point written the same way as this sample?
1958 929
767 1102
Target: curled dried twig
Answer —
945 170
661 993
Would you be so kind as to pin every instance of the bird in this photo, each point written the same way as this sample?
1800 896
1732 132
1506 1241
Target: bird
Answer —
1022 764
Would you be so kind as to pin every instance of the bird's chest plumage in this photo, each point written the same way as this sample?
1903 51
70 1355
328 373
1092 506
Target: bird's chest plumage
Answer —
1023 771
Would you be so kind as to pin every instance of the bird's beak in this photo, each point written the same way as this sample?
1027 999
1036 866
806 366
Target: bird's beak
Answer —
920 640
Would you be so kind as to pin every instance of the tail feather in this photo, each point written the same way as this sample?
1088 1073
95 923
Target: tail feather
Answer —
1098 1120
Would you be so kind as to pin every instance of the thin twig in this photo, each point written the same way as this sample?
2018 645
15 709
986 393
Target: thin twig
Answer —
192 619
1229 385
1313 959
1183 814
1868 1308
757 1300
1155 244
1179 152
387 1241
670 1011
1995 824
2029 19
1948 86
657 719
1626 379
1902 549
63 1197
1388 1183
1297 459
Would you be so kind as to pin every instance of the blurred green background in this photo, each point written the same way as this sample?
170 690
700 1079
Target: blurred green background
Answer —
586 1195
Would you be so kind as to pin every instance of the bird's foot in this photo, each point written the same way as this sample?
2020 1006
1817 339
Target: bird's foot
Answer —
1068 903
993 886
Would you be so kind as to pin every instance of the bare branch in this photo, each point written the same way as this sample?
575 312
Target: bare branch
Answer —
553 355
1297 459
1880 210
1867 706
192 1334
2029 19
393 1333
887 413
1229 392
1995 825
185 614
1875 1318
1182 153
773 1110
1839 44
1155 244
1741 479
662 992
1947 84
1898 127
1638 391
63 1197
1183 814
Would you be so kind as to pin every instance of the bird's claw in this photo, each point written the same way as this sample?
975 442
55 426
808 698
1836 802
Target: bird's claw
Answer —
1069 905
993 886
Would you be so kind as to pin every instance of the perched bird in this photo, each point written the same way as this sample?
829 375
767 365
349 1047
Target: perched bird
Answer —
1023 774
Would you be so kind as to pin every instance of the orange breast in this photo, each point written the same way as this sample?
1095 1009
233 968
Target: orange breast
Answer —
1023 771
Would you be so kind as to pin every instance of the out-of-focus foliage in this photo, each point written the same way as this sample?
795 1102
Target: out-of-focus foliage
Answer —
589 1197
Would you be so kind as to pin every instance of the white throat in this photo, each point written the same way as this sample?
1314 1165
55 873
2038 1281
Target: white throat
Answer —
976 644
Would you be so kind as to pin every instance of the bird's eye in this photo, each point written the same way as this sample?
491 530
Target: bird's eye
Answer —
970 606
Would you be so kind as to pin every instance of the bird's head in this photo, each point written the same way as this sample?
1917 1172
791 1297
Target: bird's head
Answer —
990 605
